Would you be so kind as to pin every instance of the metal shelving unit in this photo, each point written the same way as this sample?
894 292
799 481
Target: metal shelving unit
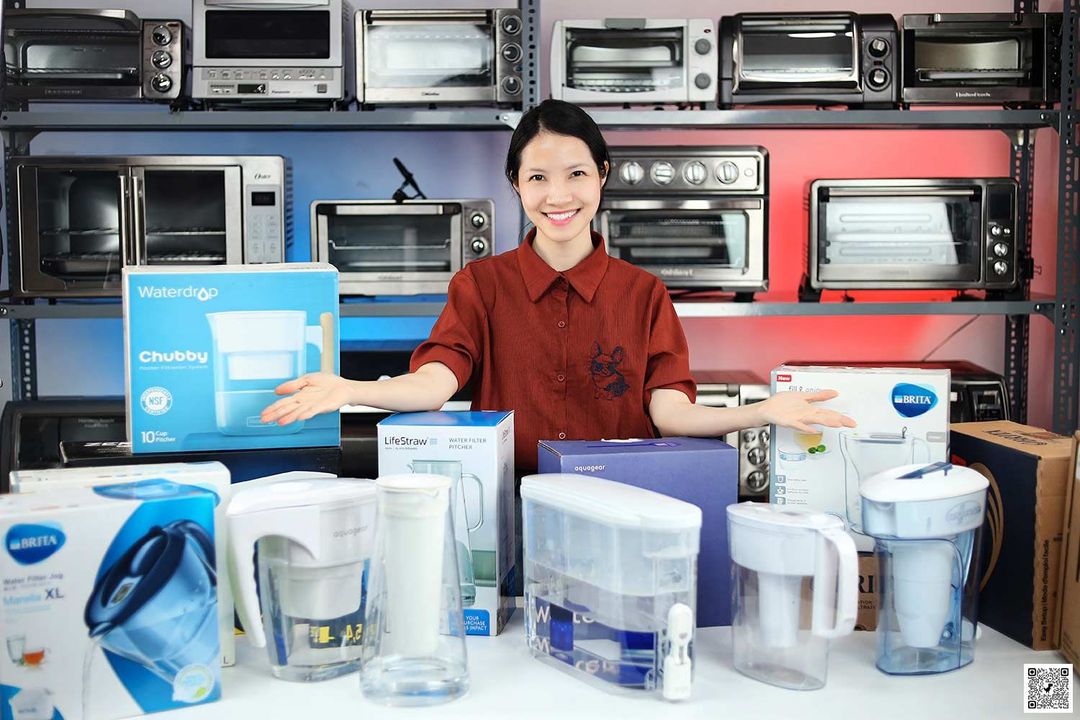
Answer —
19 127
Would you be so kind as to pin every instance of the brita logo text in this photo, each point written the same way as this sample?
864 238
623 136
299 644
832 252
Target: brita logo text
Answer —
174 356
202 294
396 441
913 400
32 543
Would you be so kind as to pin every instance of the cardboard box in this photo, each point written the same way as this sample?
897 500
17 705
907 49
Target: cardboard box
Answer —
1029 474
1068 636
866 619
701 471
108 605
204 349
902 418
476 450
210 476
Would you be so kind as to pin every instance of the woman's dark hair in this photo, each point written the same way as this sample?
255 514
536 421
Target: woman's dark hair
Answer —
561 118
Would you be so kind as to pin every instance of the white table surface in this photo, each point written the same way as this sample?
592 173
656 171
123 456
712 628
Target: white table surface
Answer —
507 682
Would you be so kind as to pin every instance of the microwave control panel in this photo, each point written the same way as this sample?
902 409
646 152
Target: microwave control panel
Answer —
264 240
268 83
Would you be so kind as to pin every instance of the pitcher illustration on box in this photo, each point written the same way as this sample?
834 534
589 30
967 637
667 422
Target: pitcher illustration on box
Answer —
868 453
254 352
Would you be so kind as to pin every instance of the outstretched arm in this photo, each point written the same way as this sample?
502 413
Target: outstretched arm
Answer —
673 414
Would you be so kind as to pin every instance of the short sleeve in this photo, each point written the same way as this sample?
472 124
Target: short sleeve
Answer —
456 340
669 356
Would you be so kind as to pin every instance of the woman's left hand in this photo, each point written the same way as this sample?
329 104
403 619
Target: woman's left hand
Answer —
797 410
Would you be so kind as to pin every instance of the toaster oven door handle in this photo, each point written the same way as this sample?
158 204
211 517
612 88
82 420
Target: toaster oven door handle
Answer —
902 191
267 4
685 204
138 221
974 18
125 220
426 16
392 209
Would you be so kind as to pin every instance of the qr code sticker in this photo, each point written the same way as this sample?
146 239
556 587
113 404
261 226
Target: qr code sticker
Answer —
1048 688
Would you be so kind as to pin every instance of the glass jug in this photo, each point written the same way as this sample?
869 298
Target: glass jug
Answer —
254 352
795 587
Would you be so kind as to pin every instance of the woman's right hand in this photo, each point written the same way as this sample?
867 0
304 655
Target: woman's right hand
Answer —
308 395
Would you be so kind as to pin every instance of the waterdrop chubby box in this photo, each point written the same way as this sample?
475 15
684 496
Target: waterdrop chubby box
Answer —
204 349
108 606
902 417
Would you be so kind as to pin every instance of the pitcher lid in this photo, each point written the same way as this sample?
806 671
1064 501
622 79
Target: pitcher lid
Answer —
920 482
301 492
610 502
780 518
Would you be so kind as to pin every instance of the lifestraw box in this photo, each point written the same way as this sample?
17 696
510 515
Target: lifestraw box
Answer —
204 349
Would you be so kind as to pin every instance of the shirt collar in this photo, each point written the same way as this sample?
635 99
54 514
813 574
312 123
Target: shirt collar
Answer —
584 277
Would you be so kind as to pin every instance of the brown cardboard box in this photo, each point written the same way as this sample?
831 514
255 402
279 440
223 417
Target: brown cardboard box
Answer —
1029 471
1068 638
866 619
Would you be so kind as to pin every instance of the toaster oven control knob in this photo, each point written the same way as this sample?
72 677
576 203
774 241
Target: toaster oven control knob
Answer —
478 220
878 47
878 78
511 85
995 230
161 35
757 481
702 46
479 246
1001 249
765 437
161 59
161 83
702 81
631 173
756 455
511 25
1000 267
695 173
662 172
727 172
511 52
747 436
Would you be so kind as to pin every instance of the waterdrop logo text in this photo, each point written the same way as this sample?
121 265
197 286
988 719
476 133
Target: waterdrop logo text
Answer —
202 294
912 400
31 543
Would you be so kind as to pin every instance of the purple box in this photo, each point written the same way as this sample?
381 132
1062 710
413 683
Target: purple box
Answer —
701 471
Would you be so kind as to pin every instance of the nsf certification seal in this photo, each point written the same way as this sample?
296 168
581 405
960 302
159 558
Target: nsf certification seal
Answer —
156 400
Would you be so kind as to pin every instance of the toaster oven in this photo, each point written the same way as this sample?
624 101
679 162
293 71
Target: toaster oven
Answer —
439 57
733 389
982 58
81 220
956 233
382 247
633 60
809 58
268 51
104 55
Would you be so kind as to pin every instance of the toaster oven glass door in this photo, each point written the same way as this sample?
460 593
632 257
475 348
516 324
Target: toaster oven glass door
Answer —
614 60
904 234
271 34
429 55
74 228
822 52
971 58
103 56
407 241
187 215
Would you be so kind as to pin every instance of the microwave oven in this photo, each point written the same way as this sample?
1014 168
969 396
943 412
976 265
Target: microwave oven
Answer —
734 389
81 220
382 247
837 58
982 58
696 217
633 60
942 233
439 57
95 55
268 51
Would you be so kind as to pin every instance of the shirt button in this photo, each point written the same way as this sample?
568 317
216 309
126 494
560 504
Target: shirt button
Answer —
562 436
562 323
560 377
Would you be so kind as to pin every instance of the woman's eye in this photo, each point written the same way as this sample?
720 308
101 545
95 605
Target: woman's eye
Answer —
578 173
536 177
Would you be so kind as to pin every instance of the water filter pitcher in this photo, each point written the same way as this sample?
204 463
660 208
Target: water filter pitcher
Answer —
611 582
926 521
468 517
314 537
868 453
795 588
254 352
414 631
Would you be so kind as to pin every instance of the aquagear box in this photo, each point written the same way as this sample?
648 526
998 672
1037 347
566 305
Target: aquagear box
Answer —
476 451
700 471
204 349
902 418
108 605
212 476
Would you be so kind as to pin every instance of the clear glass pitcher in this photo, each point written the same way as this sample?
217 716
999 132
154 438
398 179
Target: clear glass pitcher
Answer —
868 453
795 588
414 627
254 352
468 518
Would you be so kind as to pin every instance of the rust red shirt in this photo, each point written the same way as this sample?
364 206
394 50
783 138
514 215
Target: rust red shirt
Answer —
574 354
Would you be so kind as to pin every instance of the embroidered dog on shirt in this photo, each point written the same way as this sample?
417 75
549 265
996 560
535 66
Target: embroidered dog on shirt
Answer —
604 368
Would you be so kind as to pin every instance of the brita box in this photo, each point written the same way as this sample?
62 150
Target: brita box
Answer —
476 451
700 471
204 349
108 606
901 416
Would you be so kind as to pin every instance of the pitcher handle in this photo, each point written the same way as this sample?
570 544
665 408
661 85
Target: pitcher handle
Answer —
480 494
846 571
322 337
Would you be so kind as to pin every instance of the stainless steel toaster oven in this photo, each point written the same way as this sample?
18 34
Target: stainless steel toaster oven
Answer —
733 389
103 55
382 247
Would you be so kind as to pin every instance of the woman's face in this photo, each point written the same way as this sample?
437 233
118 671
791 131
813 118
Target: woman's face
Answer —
559 185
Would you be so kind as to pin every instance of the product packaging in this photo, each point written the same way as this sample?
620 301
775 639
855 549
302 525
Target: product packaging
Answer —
1069 626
